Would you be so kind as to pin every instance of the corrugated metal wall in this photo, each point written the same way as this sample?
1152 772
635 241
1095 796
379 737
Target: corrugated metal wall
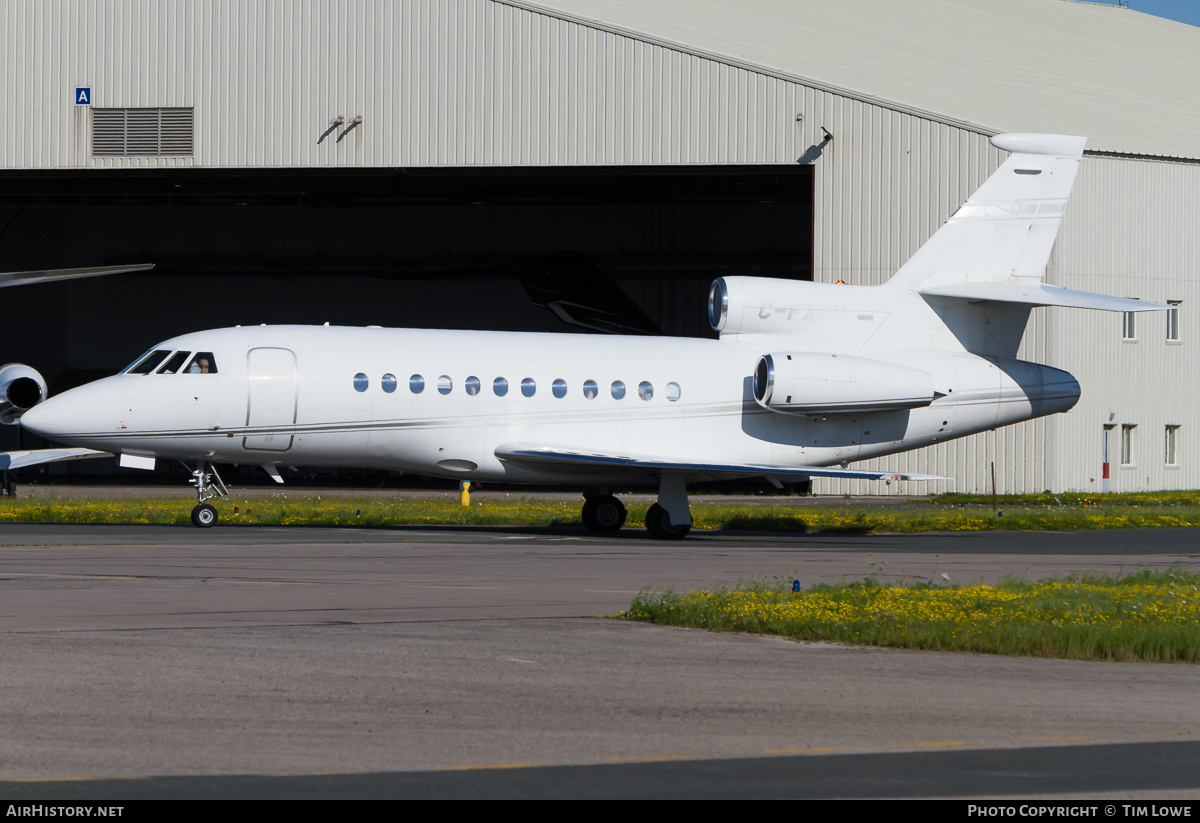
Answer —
1132 233
438 83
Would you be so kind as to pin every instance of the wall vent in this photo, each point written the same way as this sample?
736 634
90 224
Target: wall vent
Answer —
142 132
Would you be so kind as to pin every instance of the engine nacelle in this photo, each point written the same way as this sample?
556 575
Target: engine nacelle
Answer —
21 388
813 383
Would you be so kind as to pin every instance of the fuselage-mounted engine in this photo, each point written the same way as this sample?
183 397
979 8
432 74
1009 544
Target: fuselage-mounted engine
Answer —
21 388
812 383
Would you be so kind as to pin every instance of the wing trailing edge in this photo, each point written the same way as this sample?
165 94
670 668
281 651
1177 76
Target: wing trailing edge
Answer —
25 278
561 459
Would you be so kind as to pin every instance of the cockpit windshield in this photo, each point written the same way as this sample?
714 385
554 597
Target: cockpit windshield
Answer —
177 360
202 363
148 363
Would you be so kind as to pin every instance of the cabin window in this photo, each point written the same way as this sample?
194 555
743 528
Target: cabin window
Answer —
360 382
645 390
416 384
150 362
590 389
559 388
176 361
445 384
471 384
528 387
500 386
389 383
618 389
673 392
203 363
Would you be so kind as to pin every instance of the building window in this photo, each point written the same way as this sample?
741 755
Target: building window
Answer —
1171 457
1128 329
1127 444
1173 321
142 132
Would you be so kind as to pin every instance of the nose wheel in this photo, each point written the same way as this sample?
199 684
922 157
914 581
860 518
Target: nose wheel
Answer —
204 516
208 485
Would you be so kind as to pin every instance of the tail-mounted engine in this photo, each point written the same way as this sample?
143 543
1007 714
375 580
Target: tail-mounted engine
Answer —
812 383
21 388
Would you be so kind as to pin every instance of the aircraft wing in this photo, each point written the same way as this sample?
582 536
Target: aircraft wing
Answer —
35 457
1040 294
24 278
551 457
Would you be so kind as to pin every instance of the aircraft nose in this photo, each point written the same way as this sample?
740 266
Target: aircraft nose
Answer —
75 414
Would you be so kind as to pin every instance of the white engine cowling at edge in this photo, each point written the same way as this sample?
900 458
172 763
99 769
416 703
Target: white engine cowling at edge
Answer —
21 388
815 383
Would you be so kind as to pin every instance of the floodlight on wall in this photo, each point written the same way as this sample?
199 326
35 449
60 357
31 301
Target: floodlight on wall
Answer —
358 118
337 120
826 132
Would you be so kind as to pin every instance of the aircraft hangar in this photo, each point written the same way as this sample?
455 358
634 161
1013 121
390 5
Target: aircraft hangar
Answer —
590 166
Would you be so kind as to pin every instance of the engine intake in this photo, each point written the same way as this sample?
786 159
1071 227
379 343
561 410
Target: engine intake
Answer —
21 388
813 383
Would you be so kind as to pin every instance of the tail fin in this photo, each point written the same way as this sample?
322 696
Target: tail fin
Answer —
1006 229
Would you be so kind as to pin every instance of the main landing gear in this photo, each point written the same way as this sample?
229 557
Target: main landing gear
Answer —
208 486
668 519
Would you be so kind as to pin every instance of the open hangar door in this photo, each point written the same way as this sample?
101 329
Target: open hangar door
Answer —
576 250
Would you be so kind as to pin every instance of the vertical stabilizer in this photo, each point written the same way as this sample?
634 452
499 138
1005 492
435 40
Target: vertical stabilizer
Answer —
1005 231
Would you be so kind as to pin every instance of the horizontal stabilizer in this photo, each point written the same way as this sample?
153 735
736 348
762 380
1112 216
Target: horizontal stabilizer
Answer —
35 457
552 457
25 278
1039 294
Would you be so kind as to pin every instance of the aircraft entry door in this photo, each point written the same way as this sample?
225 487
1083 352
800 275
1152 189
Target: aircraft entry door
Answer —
271 401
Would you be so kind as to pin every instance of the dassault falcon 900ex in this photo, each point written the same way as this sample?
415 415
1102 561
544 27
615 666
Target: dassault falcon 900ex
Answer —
805 378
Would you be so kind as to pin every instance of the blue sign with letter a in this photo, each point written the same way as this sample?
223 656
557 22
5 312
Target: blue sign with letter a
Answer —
83 96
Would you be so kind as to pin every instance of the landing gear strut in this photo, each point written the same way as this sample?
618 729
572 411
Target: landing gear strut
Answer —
671 517
603 513
208 486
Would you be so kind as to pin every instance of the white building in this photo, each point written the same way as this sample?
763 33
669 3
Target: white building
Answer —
289 144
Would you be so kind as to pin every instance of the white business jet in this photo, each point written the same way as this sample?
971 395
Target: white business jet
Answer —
805 378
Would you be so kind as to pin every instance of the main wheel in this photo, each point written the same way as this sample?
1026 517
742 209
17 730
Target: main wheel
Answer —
204 516
604 515
658 523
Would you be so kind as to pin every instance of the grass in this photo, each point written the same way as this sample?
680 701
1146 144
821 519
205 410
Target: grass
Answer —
945 513
1150 616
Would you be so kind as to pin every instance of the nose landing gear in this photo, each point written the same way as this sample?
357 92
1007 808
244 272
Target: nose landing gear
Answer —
208 486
